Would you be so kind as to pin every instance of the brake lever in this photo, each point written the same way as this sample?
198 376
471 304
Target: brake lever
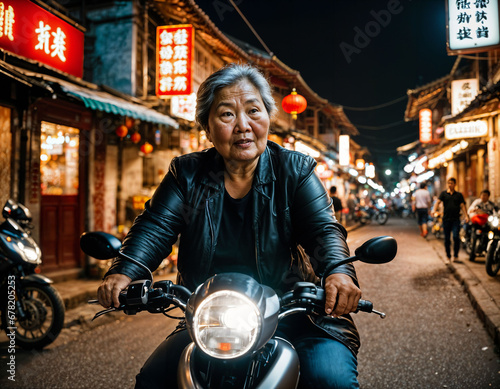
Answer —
103 312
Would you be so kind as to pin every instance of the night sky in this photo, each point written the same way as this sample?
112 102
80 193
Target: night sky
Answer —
356 53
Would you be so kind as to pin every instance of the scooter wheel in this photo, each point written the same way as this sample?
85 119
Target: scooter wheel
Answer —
43 316
493 259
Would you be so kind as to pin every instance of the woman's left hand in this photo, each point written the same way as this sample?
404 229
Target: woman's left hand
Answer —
341 294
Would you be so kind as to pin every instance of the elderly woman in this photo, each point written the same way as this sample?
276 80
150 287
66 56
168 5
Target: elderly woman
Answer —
244 206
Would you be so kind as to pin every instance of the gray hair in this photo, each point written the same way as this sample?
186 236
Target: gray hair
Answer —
227 76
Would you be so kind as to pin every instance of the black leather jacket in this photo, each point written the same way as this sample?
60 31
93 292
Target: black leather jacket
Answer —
290 206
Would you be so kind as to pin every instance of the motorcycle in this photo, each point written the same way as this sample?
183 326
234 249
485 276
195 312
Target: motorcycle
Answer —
435 225
32 311
232 319
365 214
493 249
478 238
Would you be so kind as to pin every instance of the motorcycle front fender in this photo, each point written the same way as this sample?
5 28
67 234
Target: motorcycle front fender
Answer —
36 279
282 374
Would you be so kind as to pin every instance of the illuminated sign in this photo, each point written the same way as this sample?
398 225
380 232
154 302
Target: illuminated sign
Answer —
305 149
344 150
29 31
184 106
370 170
174 59
473 25
462 93
425 125
474 129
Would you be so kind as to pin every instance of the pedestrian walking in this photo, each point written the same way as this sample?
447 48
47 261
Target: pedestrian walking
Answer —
453 202
337 203
421 205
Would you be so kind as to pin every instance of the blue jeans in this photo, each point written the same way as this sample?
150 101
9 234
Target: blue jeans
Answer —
324 362
451 227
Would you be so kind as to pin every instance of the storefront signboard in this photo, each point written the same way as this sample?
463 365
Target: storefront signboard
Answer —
184 106
425 125
473 129
462 93
472 26
30 31
174 60
344 156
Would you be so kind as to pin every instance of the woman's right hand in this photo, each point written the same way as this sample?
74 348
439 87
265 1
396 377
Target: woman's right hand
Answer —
110 289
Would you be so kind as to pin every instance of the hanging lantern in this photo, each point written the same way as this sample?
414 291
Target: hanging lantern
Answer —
122 131
135 137
294 104
129 122
146 148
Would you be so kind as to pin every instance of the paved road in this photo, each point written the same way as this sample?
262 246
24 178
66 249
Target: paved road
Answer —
431 338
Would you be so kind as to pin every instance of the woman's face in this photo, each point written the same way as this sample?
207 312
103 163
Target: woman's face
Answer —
238 123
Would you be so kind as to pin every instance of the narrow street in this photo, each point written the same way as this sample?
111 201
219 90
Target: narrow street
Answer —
431 338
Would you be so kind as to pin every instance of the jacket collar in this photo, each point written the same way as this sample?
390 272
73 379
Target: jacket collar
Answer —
264 173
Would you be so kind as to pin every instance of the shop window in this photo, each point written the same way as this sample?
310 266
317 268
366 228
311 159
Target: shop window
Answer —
59 159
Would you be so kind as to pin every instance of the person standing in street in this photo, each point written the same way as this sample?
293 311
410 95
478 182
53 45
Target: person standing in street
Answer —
337 203
453 202
421 205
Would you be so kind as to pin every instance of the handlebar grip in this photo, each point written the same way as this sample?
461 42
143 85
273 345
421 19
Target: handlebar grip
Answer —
365 306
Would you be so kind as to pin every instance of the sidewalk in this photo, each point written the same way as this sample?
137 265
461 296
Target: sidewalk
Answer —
483 290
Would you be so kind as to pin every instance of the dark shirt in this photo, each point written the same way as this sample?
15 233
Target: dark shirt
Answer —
451 204
337 204
235 250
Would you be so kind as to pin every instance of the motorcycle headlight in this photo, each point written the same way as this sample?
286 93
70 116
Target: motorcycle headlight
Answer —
491 234
494 221
226 324
29 254
232 315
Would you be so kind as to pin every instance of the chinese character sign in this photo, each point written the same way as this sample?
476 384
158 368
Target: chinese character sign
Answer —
425 125
32 32
473 25
462 93
344 157
174 58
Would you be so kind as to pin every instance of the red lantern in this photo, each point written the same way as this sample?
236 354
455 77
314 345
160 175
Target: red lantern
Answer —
129 122
294 104
122 131
135 137
146 148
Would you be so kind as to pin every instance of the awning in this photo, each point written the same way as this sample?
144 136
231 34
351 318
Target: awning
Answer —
106 102
93 97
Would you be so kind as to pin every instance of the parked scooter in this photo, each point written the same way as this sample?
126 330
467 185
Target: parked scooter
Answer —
365 214
435 225
30 307
231 319
493 250
478 240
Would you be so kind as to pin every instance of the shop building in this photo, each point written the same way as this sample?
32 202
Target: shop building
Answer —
86 146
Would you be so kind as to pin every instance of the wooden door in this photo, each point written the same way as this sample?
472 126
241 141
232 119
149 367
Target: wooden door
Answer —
60 200
59 232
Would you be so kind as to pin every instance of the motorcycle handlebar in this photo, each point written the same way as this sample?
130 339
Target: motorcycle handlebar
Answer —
140 296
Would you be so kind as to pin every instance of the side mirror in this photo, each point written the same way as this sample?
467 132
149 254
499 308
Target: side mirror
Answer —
100 245
381 249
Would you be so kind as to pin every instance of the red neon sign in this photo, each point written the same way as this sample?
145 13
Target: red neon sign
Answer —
174 59
425 119
32 32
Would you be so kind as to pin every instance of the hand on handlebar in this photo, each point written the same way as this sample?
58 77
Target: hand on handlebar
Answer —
342 295
110 289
